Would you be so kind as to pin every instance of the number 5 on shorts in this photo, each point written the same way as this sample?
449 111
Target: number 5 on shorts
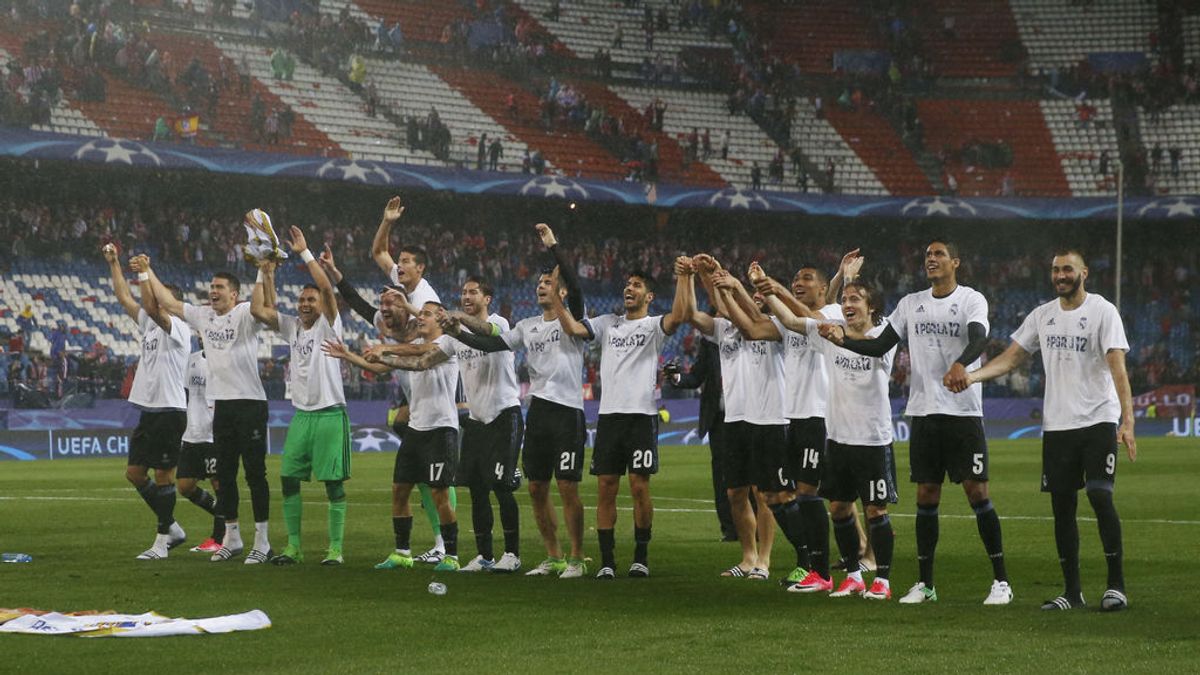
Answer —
977 464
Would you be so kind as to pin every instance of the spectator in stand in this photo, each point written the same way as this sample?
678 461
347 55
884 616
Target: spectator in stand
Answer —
162 132
755 177
1176 154
1156 158
725 145
1104 162
272 127
495 152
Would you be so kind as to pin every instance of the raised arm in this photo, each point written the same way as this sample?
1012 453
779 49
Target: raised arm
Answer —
566 271
379 246
120 285
423 362
570 325
785 314
484 343
474 324
685 300
339 350
678 315
141 265
1116 364
1010 358
162 295
328 299
847 271
262 300
750 326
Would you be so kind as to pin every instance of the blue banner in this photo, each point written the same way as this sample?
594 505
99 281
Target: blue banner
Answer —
48 146
1114 63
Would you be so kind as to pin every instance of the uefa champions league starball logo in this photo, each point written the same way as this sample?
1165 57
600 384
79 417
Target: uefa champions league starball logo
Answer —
737 198
361 170
938 207
553 186
374 439
1175 207
117 151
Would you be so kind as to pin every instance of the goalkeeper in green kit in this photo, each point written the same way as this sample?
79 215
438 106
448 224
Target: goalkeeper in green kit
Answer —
318 438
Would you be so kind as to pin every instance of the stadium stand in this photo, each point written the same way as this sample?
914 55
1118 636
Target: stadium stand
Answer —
970 38
1081 142
63 118
809 33
878 161
1059 34
1178 128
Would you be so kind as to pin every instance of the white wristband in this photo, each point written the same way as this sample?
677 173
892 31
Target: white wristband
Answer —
259 280
143 276
307 256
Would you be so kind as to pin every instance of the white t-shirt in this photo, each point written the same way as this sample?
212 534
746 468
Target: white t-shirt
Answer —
554 358
231 347
489 378
936 331
199 409
804 373
752 376
314 377
432 403
859 411
418 296
1079 385
158 382
629 350
400 377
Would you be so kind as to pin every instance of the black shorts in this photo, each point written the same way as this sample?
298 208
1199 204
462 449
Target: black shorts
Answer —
1075 458
554 439
805 443
155 440
756 454
197 460
429 457
947 445
490 451
854 472
625 441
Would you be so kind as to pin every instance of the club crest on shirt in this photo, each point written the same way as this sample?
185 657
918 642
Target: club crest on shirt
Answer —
954 308
1082 322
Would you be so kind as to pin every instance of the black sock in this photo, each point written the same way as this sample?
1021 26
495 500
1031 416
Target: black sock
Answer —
510 520
607 544
883 540
260 497
482 520
847 541
148 493
402 528
164 507
202 498
641 542
450 536
787 516
927 539
1066 539
989 531
218 531
816 532
1110 535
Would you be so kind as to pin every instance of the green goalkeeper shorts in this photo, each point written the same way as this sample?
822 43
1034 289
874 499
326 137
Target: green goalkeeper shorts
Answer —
318 443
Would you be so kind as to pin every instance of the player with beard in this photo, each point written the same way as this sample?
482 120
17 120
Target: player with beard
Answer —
554 426
318 438
627 431
158 392
858 460
430 450
397 330
946 329
1088 410
230 329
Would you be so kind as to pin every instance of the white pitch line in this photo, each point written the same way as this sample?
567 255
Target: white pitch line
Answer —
1148 521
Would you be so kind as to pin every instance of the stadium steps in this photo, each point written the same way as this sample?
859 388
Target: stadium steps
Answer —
879 147
420 20
518 13
1079 147
1036 170
809 33
670 146
127 111
565 147
984 30
233 108
1063 34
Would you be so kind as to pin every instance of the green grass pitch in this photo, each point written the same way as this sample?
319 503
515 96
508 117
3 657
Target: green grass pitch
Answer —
83 526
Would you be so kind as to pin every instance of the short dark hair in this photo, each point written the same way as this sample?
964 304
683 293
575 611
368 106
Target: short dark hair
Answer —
820 273
644 276
419 255
1070 250
951 247
433 302
306 287
484 286
229 277
175 291
873 297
